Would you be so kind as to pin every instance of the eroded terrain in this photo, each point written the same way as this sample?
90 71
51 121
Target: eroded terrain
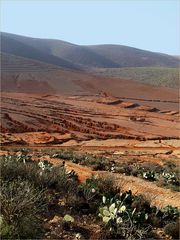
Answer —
34 119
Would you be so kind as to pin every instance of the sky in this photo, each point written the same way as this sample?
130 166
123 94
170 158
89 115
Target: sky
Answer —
146 24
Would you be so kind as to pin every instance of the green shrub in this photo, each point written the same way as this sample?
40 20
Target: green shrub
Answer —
40 173
21 206
23 189
100 186
64 154
13 167
96 162
122 221
166 176
164 216
141 203
131 217
172 229
94 188
170 213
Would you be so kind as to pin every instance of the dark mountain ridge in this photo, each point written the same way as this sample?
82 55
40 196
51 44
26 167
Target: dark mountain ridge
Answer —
68 55
55 66
13 46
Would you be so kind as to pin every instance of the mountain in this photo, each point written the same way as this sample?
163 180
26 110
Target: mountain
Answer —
73 56
177 56
14 63
34 65
133 57
11 45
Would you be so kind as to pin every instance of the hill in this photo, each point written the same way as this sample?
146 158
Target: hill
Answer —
36 77
77 55
158 76
13 63
133 57
54 66
13 46
69 55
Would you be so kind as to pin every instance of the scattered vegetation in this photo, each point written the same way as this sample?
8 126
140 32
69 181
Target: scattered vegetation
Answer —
123 221
172 229
132 217
25 193
167 175
36 191
96 162
159 76
41 173
94 188
21 208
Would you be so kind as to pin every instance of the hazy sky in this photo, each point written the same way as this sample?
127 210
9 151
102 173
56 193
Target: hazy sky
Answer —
146 24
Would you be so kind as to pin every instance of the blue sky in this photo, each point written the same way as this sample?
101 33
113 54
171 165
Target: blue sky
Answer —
147 24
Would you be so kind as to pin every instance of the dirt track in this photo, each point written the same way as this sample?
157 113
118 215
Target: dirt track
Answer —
153 150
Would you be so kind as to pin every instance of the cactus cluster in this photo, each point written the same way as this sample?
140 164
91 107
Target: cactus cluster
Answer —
121 218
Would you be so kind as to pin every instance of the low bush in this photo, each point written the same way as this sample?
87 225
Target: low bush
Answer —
167 176
40 173
131 217
94 188
25 185
21 206
64 154
96 162
100 185
27 188
172 229
122 220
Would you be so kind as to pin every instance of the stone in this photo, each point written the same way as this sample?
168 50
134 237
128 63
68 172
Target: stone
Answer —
55 220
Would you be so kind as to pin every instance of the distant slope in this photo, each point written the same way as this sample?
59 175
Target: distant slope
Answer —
133 57
158 76
80 83
13 63
45 65
15 47
104 56
77 55
177 56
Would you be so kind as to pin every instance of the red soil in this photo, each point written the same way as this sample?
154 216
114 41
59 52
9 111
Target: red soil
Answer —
48 119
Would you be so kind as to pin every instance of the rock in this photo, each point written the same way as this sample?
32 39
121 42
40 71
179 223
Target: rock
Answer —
55 220
78 236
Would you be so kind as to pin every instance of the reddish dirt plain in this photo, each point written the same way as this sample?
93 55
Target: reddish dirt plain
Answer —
61 118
